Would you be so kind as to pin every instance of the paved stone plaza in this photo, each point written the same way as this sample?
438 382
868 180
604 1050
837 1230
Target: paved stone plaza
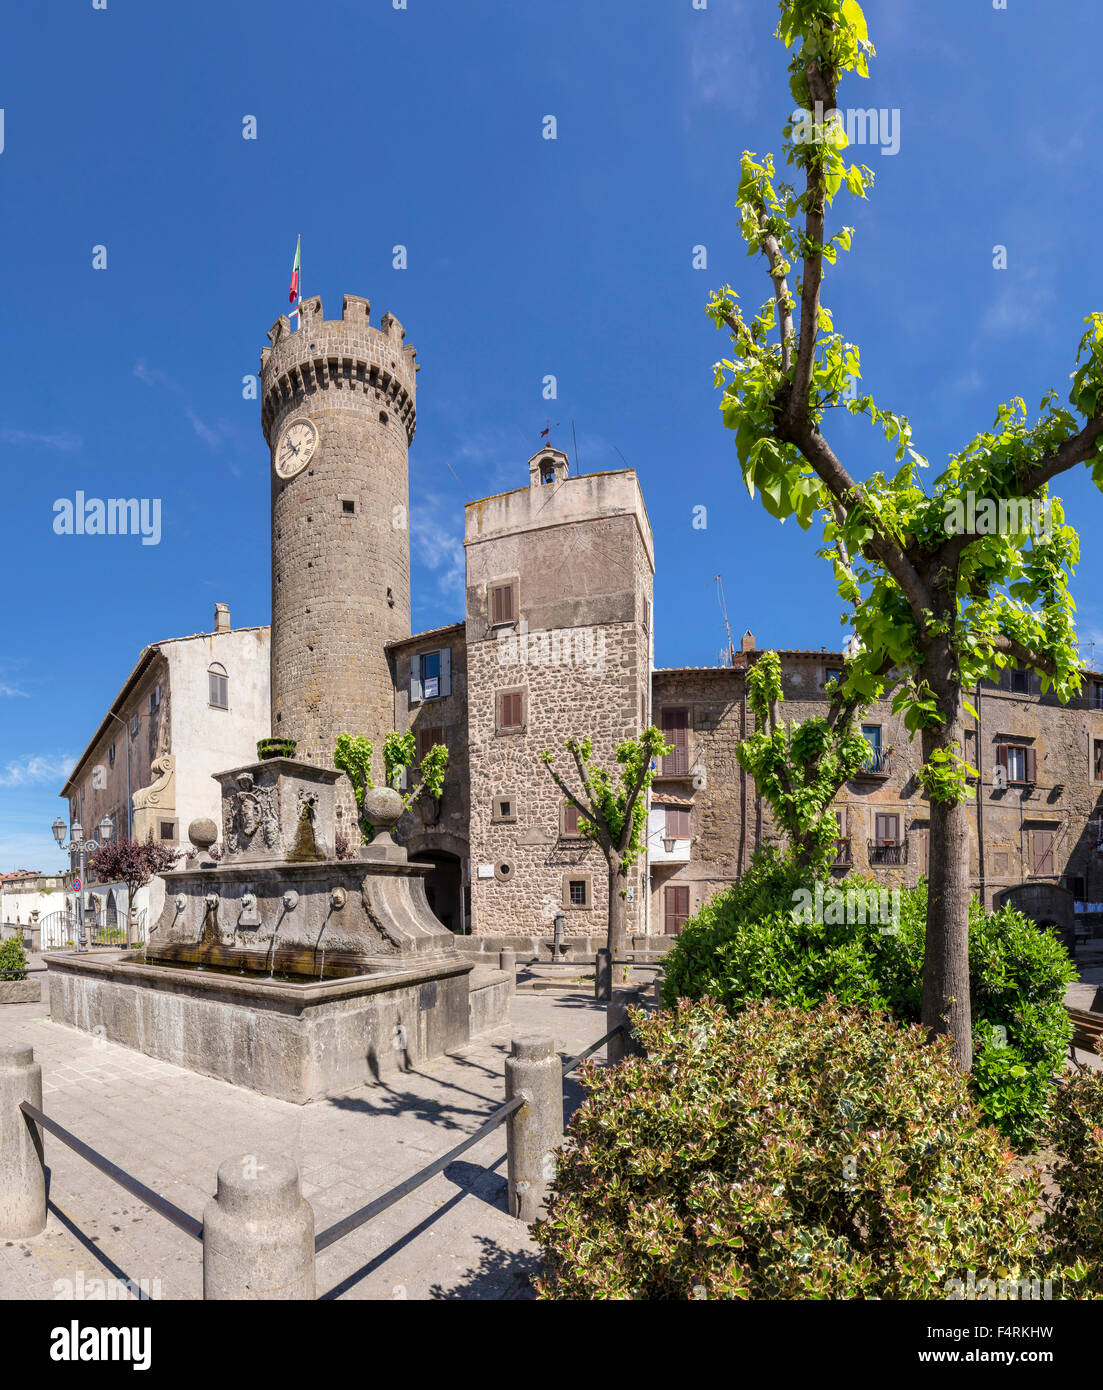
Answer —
170 1128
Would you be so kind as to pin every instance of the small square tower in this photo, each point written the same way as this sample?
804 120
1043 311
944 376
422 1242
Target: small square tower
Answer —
559 592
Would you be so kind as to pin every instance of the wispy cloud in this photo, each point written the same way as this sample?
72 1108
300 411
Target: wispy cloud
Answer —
437 537
1069 150
34 768
721 68
65 441
153 376
8 689
1021 304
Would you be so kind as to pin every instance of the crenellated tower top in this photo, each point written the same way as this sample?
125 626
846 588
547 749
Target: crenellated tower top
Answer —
342 354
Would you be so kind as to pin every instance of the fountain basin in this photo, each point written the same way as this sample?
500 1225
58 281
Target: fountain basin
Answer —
296 1041
280 968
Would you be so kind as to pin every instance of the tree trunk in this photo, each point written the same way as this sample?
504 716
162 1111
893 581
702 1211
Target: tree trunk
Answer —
618 909
946 1005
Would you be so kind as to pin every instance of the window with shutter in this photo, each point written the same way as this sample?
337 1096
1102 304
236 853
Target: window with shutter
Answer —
675 729
511 710
677 823
570 820
502 605
1019 761
430 675
415 680
427 737
887 828
1098 761
676 907
219 686
1042 851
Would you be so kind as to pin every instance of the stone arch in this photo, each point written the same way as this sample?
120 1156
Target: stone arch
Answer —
1047 905
446 885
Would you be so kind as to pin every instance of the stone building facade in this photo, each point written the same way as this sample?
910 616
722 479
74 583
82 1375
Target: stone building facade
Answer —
190 707
559 596
556 639
1036 812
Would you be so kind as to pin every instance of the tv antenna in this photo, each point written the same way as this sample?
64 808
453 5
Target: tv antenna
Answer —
726 658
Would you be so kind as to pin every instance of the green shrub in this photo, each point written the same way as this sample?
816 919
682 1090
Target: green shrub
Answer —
783 1153
746 944
13 960
1075 1222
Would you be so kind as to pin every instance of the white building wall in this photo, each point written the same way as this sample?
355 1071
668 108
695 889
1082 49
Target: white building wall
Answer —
206 740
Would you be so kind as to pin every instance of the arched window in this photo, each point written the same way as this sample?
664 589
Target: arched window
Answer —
219 686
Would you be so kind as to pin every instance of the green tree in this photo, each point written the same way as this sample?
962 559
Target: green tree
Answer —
355 755
613 816
798 767
939 602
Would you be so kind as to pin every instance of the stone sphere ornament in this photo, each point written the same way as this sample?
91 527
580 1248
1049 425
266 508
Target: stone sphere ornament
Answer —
203 833
383 810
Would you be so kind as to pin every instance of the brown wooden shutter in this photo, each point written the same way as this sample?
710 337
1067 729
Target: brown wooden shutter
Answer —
1042 844
570 820
1030 765
677 823
427 737
510 710
501 603
886 828
676 905
676 732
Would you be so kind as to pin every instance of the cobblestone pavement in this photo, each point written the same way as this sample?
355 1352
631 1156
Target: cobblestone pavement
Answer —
170 1128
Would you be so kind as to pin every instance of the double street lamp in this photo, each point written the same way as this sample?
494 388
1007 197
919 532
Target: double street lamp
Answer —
79 845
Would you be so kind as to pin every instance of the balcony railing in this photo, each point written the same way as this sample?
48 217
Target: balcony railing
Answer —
878 764
887 852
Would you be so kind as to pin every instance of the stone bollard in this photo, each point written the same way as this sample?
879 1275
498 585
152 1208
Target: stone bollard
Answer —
258 1233
22 1166
603 974
616 1049
534 1132
625 1044
657 989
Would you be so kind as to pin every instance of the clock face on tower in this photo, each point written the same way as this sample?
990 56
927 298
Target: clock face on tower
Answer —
295 448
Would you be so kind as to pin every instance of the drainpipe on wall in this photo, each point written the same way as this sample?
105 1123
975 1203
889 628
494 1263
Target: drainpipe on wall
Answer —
980 802
743 782
129 803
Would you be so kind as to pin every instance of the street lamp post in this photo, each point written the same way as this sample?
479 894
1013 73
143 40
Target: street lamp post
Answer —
79 845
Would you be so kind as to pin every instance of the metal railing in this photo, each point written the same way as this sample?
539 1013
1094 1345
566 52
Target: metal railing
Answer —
161 1205
878 764
890 853
534 1112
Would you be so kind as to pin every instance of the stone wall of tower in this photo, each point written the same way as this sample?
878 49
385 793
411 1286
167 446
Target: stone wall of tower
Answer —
579 552
340 533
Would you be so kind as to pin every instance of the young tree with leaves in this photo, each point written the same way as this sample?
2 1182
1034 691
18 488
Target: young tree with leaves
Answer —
132 863
613 817
939 606
354 756
798 767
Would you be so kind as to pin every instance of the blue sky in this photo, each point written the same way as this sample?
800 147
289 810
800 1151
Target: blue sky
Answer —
527 257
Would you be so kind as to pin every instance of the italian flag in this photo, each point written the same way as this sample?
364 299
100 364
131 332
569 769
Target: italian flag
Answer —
294 291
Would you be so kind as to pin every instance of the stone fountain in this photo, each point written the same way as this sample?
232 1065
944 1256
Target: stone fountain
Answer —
280 967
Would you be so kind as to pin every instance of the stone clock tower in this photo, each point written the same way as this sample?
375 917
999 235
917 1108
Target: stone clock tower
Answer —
337 409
